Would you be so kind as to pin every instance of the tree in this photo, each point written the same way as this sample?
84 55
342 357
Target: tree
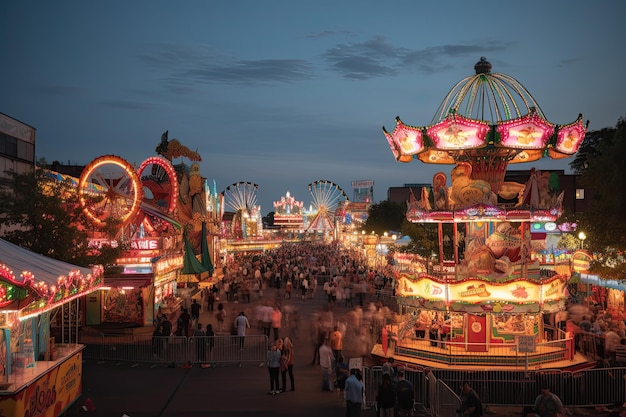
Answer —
603 221
269 219
384 216
44 215
424 240
590 148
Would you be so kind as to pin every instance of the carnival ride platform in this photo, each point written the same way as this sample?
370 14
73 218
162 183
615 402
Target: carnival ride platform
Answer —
421 353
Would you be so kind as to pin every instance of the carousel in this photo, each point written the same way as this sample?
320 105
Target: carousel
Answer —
481 301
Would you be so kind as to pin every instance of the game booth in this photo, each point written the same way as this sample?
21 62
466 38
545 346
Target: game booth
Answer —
38 376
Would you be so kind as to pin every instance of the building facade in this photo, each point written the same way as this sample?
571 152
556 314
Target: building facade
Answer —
17 148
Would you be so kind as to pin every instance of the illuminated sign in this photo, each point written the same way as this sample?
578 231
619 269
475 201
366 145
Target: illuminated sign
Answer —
144 244
476 291
135 244
580 261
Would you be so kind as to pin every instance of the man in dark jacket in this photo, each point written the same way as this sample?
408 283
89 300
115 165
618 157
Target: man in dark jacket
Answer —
405 396
471 406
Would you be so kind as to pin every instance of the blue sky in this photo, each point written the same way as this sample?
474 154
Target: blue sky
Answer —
283 93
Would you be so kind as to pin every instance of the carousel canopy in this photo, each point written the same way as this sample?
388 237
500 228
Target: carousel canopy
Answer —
33 283
488 120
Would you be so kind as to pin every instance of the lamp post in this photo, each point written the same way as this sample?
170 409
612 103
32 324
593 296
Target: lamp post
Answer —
582 236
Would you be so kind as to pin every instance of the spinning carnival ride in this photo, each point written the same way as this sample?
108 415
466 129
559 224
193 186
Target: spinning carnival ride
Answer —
113 193
491 293
327 197
241 197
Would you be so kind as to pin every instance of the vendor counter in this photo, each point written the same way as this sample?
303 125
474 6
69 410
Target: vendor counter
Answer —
50 386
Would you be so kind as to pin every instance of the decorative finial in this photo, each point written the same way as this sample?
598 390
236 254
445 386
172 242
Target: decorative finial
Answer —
483 66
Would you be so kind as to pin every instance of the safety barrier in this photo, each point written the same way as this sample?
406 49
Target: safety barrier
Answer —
180 349
436 390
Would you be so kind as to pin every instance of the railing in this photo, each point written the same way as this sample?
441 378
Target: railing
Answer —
436 390
180 349
479 354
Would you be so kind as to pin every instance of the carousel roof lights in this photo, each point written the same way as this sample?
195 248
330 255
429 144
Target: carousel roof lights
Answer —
486 117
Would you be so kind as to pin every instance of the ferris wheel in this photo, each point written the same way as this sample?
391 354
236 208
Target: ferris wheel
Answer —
326 196
110 189
241 196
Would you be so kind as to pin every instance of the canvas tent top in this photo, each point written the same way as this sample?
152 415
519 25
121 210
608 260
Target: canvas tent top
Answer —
42 283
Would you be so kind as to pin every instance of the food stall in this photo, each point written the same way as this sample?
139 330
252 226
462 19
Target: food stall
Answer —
38 376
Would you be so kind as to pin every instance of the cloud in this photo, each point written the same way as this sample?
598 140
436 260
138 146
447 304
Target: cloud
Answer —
253 71
185 66
363 60
376 57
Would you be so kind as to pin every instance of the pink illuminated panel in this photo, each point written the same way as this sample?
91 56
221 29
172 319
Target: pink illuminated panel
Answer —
408 140
570 137
528 132
458 132
392 145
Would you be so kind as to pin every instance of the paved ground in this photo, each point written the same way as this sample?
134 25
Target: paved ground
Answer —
145 390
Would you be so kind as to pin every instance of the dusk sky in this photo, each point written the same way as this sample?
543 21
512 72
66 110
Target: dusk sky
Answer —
283 93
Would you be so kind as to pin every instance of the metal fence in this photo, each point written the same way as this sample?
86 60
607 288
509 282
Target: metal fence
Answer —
180 349
436 390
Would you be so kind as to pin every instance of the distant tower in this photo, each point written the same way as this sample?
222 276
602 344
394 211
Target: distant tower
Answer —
363 191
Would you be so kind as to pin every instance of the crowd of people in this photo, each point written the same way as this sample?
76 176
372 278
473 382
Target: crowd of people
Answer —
598 332
269 287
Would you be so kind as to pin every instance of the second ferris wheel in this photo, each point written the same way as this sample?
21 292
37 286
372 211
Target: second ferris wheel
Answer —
327 198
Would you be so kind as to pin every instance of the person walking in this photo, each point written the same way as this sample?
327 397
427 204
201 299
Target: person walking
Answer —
548 404
210 338
389 369
405 396
195 310
220 315
318 339
386 397
471 406
277 319
266 318
326 363
166 325
157 342
286 364
273 366
336 344
211 300
241 323
198 338
353 394
184 321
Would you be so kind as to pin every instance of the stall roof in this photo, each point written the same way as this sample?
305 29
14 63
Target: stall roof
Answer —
48 282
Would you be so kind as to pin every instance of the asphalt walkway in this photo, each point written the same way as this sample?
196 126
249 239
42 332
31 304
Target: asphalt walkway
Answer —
149 390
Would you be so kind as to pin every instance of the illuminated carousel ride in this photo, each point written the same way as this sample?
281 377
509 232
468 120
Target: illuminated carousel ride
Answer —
485 304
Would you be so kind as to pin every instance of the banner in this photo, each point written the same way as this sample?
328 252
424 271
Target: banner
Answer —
476 333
